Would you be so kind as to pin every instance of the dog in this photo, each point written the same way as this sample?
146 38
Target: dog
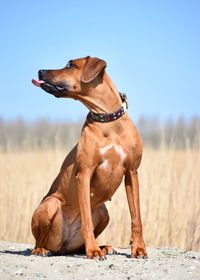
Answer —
73 213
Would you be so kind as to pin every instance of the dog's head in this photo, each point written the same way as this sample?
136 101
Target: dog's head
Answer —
70 80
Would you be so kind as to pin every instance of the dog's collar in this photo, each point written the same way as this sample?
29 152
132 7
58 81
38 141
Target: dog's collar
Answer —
111 116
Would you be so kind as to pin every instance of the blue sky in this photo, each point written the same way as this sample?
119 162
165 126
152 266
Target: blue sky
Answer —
152 49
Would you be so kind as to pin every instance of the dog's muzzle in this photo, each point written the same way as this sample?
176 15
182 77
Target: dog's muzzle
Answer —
56 90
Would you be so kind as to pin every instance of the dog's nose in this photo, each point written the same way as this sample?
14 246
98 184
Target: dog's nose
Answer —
41 73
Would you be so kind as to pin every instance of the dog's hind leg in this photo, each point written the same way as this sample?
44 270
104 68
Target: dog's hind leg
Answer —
101 215
47 224
100 219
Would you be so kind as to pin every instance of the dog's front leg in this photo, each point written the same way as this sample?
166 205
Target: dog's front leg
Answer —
132 190
87 229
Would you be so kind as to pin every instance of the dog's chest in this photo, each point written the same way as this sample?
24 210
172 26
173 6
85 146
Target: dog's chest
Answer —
108 175
112 157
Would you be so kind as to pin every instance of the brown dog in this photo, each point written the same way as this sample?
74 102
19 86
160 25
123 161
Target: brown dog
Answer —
73 212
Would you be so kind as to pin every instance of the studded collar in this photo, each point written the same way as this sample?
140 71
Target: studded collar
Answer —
111 116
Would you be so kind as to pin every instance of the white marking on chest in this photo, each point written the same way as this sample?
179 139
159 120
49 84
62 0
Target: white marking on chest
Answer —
119 150
105 164
105 149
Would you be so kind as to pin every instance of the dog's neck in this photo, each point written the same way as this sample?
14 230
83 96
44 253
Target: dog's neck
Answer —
102 98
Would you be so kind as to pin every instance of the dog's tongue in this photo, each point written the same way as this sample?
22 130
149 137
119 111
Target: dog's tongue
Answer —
37 83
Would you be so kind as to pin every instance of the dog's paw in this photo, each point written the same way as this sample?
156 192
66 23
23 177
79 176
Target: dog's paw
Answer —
138 252
108 250
96 254
41 252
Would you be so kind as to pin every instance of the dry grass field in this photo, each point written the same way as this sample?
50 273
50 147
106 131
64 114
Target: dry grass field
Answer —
169 191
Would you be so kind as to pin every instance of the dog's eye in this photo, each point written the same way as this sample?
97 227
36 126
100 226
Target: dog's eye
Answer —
69 65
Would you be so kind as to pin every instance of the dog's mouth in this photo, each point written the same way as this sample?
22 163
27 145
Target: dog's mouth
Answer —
56 90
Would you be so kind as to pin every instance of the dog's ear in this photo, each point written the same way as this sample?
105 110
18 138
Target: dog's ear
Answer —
92 68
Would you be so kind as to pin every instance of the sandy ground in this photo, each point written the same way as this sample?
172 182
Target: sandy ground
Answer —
16 262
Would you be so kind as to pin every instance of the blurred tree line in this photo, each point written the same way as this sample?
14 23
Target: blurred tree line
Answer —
19 134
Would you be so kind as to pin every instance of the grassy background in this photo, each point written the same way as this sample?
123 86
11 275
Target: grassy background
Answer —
169 190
